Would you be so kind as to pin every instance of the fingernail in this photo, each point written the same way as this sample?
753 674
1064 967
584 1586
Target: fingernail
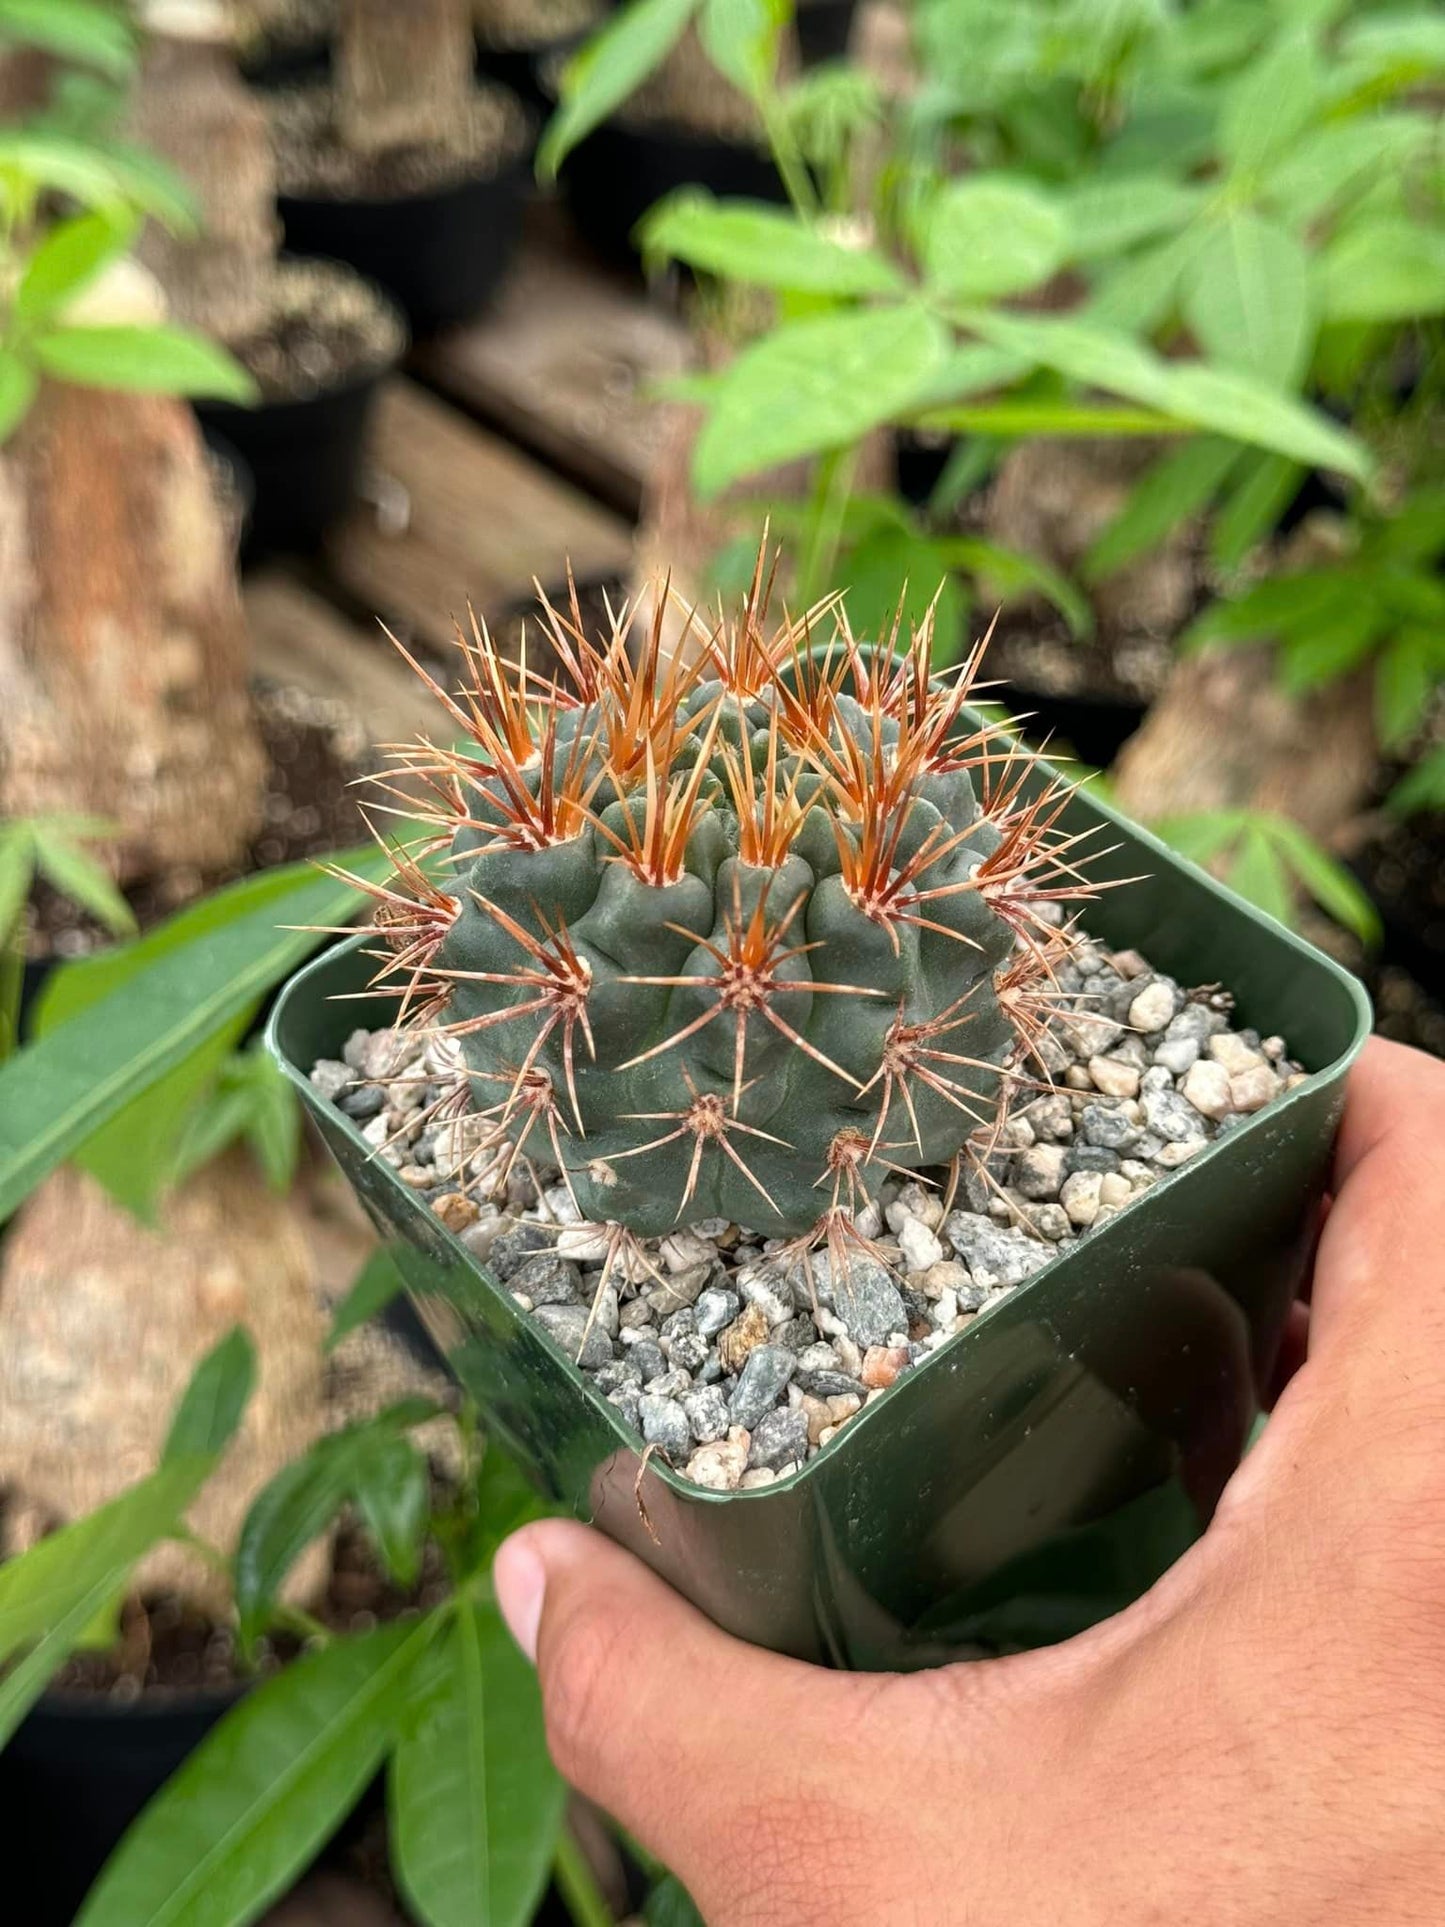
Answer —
521 1580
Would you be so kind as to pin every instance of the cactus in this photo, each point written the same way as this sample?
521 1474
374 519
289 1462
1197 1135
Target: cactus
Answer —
730 932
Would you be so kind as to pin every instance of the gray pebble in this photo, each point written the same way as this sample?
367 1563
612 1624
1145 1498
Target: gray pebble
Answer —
664 1424
770 1291
1171 1116
1177 1054
715 1310
1039 1173
765 1373
511 1249
629 1404
687 1350
682 1288
1092 1157
707 1414
865 1298
363 1102
828 1382
330 1077
547 1279
1197 1022
779 1439
617 1376
669 1384
1108 1128
648 1357
568 1325
797 1334
995 1254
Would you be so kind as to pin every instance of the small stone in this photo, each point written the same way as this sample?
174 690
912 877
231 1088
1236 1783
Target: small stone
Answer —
883 1363
1114 1078
1128 963
863 1296
1206 1087
635 1315
585 1343
688 1350
1078 1079
1237 1057
797 1334
628 1402
1252 1090
681 1288
669 1384
913 1201
363 1101
719 1467
512 1248
1109 1128
664 1424
482 1233
549 1280
1017 1133
842 1406
815 1411
949 1276
1051 1221
330 1077
1081 1197
1051 1118
829 1382
869 1221
1177 1054
759 1476
994 1254
1170 1156
919 1246
747 1331
1087 1033
761 1383
769 1291
715 1309
1197 1022
1092 1157
584 1244
1114 1190
707 1413
648 1356
1039 1173
605 1309
1154 1007
681 1250
1273 1048
416 1176
779 1439
620 1375
1171 1117
455 1210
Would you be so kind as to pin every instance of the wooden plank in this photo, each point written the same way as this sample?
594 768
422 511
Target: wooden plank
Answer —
562 364
300 641
473 521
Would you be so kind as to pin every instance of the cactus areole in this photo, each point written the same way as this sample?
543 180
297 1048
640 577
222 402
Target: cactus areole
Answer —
729 930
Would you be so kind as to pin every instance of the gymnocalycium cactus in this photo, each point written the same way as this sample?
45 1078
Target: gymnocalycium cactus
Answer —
733 930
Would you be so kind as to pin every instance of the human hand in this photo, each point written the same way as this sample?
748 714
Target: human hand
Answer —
1258 1742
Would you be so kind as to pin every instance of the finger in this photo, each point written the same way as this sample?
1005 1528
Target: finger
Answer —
651 1710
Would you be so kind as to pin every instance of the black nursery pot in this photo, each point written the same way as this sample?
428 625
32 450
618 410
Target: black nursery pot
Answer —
823 28
441 255
73 1778
1048 1463
614 176
305 457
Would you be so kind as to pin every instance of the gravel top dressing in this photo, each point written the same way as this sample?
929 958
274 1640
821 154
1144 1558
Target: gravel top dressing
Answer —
738 1361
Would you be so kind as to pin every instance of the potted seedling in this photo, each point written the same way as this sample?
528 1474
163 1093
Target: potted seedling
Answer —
316 338
404 164
793 1182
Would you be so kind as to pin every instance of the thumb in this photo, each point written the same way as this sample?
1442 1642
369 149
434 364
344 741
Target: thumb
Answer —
651 1710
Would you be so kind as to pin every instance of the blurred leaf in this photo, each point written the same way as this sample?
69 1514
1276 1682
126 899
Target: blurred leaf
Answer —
741 38
18 384
1416 532
1180 485
1332 646
1141 292
970 370
81 30
1007 572
90 174
893 564
264 1790
377 1283
1256 496
1105 215
1284 605
214 1402
78 876
1258 873
1247 298
154 361
1221 399
1406 676
1201 834
1270 103
1042 416
671 1905
476 1804
1331 885
1422 788
156 1001
391 1490
68 257
1384 269
814 385
990 237
613 64
750 241
17 871
506 1500
1338 159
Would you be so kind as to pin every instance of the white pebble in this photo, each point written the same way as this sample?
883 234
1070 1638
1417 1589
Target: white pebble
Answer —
919 1246
1230 1049
1251 1090
680 1250
1176 1054
1206 1087
1081 1195
584 1244
1114 1078
1153 1007
1170 1156
1114 1190
760 1475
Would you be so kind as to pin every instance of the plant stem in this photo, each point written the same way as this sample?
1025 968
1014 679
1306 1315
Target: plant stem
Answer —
583 1897
832 484
792 169
12 979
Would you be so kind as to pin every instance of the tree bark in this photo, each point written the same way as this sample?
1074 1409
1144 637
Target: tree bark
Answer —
403 72
193 111
123 648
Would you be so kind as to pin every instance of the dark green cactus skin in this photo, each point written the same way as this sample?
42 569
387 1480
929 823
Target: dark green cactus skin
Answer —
625 928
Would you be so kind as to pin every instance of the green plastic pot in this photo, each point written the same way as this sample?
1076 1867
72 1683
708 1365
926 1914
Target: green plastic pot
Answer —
1044 1467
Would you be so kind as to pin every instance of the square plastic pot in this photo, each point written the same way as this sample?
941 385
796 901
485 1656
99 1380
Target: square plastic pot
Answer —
1045 1466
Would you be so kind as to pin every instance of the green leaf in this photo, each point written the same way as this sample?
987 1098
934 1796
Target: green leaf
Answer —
1256 495
1416 532
18 385
215 1400
970 370
1406 676
17 871
895 564
1285 605
1386 268
1331 885
166 998
148 361
300 1502
813 385
273 1129
987 236
476 1804
391 1490
1257 872
612 65
1106 215
94 175
1332 646
50 1595
1270 104
1423 788
71 254
378 1281
506 1500
264 1789
750 241
1201 834
671 1905
77 875
1141 293
1220 399
1247 298
85 31
741 38
1175 488
1008 572
1339 159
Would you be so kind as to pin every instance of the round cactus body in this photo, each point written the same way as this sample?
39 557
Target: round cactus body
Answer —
729 939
